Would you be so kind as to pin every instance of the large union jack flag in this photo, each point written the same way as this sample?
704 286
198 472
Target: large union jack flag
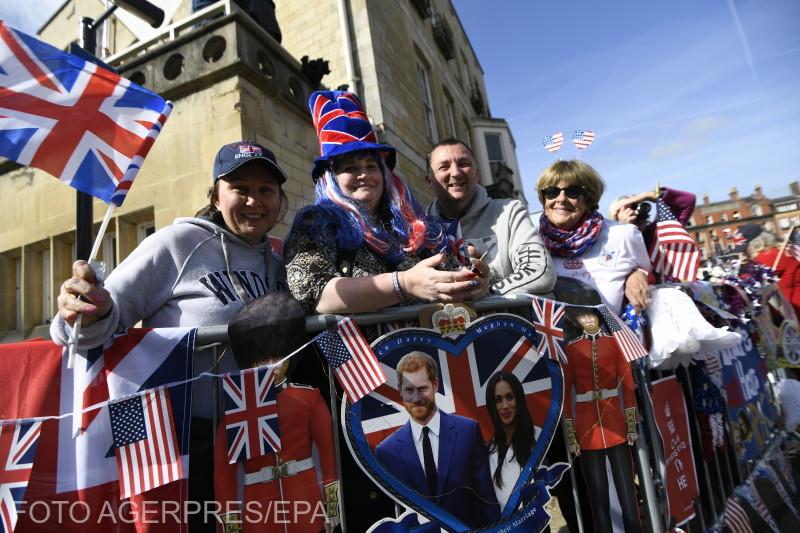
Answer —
673 252
18 442
547 319
496 343
251 414
86 126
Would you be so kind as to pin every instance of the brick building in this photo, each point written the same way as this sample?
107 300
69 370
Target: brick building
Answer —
713 223
410 61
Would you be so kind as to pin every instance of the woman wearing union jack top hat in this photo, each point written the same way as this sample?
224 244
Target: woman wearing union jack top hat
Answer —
365 243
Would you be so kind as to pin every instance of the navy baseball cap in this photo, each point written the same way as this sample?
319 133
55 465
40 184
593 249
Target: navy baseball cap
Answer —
232 156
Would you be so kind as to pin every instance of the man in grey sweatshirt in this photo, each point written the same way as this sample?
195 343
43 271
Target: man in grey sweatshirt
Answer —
503 228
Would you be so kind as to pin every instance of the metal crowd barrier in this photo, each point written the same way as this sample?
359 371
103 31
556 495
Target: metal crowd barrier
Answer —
717 478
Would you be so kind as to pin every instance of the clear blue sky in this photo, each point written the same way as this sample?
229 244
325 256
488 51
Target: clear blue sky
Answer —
700 95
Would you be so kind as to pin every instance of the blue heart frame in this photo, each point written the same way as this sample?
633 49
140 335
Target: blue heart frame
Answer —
420 339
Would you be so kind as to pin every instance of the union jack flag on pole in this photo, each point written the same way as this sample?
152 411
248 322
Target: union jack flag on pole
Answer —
673 253
86 126
455 241
251 414
552 143
582 138
352 360
145 442
627 341
18 442
547 318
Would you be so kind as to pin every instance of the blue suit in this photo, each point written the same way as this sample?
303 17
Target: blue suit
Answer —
464 484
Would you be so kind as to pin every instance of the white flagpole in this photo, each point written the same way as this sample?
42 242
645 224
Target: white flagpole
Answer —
72 343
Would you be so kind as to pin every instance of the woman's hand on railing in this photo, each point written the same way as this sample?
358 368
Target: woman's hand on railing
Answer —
424 282
81 295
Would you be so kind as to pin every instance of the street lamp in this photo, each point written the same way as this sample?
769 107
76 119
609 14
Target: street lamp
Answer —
154 16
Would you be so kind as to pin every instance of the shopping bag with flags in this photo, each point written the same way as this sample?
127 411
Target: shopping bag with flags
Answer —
83 124
81 468
251 413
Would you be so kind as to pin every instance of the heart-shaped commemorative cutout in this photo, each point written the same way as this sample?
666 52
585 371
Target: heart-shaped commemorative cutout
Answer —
448 472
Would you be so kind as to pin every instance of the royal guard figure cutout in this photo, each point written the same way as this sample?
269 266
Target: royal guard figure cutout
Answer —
601 421
297 489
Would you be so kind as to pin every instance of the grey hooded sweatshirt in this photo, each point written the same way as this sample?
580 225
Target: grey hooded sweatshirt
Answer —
192 273
518 260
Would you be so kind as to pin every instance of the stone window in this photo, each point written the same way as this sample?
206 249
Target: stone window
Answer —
427 101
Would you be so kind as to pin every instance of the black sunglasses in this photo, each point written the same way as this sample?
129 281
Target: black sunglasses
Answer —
573 192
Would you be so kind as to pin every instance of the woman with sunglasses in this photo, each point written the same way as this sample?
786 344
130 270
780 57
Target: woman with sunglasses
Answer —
609 256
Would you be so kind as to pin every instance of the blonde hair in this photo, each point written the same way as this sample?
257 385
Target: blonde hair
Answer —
573 172
764 241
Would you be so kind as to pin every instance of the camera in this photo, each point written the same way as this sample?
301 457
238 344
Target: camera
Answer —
642 212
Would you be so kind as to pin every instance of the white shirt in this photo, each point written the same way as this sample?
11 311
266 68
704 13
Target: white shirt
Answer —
619 250
416 430
509 473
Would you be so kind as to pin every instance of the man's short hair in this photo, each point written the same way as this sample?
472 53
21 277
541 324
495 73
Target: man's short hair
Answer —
267 329
413 361
448 141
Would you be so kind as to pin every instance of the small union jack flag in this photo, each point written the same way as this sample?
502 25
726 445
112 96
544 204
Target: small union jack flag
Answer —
552 143
674 253
251 413
83 124
18 443
627 341
582 138
455 242
738 238
547 319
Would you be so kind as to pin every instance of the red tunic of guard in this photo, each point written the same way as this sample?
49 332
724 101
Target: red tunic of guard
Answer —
595 367
303 420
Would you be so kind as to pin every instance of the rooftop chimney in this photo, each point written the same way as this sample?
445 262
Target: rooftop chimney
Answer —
734 194
758 194
706 200
795 188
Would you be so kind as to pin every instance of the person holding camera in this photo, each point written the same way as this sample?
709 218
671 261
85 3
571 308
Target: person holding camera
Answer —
635 209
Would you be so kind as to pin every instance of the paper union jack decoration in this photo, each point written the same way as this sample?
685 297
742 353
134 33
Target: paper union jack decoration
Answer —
145 443
351 359
463 376
18 443
86 126
630 345
552 143
251 414
547 319
735 517
455 242
582 138
793 245
674 253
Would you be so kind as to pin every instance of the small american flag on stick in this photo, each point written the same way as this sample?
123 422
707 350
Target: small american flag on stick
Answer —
352 359
674 253
630 345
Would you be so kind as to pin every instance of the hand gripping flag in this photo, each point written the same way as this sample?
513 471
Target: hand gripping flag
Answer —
145 442
251 413
18 442
626 339
548 316
455 242
673 252
552 143
582 138
352 360
86 126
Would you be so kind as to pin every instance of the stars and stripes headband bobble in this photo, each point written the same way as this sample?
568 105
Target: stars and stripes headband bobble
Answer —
580 138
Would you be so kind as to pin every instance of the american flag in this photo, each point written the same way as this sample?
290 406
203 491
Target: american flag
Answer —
251 413
327 107
582 138
735 517
547 319
673 253
86 126
793 244
626 340
145 442
352 360
455 242
552 143
18 443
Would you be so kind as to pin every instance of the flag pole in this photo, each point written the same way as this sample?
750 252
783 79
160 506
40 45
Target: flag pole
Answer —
783 246
76 329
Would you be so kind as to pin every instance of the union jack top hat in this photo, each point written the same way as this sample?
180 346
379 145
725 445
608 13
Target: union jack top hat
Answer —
342 127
